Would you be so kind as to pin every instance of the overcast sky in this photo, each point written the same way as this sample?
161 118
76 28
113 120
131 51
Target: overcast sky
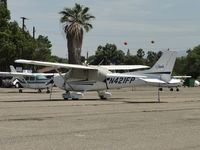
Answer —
173 24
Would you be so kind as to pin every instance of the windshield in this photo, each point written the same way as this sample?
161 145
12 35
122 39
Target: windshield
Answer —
41 77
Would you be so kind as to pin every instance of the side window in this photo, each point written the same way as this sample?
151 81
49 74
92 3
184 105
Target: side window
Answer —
32 78
26 78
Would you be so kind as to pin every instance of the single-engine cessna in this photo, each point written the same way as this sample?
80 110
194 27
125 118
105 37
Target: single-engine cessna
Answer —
79 79
160 74
37 81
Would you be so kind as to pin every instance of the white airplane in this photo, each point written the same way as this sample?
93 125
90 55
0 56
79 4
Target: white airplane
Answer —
160 74
196 83
80 79
37 81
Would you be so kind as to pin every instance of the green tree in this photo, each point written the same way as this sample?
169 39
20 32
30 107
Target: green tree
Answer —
152 57
193 62
133 60
4 15
75 20
108 54
180 66
4 2
140 53
43 48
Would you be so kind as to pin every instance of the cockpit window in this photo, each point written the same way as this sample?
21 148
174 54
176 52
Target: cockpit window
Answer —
41 77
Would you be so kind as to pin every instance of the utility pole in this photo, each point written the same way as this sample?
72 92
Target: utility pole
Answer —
23 22
33 32
87 56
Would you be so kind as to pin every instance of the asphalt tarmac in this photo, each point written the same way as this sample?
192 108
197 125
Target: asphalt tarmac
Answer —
131 120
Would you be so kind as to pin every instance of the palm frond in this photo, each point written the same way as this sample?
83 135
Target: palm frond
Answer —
84 11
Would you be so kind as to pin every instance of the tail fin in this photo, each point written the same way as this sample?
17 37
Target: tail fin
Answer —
12 69
164 66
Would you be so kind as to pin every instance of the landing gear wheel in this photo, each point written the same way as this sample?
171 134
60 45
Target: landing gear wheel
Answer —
39 90
20 91
177 89
72 95
171 89
160 89
102 97
48 91
18 85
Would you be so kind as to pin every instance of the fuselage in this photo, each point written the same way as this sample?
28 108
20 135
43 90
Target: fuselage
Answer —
104 80
35 81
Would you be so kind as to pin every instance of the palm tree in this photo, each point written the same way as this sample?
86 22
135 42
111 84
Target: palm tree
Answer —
75 21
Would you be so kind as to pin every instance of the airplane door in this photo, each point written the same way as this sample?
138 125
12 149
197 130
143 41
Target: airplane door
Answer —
32 82
26 80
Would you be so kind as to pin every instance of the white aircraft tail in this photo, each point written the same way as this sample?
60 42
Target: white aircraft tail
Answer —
12 69
164 66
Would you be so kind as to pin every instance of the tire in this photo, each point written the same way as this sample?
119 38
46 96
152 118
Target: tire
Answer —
18 85
1 83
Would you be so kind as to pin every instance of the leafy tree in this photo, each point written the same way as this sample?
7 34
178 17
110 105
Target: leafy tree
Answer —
4 2
133 60
18 44
4 15
193 62
140 53
180 66
58 59
108 54
75 20
43 51
152 57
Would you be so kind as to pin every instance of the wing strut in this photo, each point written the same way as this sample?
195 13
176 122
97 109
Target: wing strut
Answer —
65 78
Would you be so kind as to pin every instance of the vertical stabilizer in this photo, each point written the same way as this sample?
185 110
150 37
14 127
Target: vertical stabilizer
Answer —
12 69
164 66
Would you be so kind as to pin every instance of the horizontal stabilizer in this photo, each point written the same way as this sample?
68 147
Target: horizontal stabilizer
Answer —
124 67
153 81
125 75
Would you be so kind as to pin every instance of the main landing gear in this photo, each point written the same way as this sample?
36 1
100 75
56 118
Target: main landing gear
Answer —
177 89
72 95
104 94
171 89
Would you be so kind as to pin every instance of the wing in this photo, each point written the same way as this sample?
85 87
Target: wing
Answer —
53 65
15 74
124 67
